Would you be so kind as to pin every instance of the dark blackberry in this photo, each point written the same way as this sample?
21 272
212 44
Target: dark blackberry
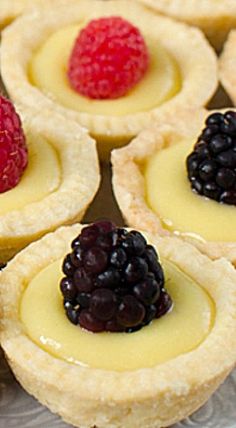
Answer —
109 278
68 268
211 166
130 312
118 258
82 281
68 289
103 304
147 291
134 244
164 304
95 260
114 281
83 300
90 322
71 312
136 270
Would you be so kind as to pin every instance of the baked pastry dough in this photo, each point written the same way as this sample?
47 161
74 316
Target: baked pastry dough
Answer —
215 18
130 189
87 397
11 9
227 65
79 180
188 47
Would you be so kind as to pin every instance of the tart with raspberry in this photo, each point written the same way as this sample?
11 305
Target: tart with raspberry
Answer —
145 349
42 176
134 71
227 66
215 18
184 182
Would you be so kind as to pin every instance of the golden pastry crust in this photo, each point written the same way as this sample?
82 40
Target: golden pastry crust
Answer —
23 37
10 9
227 66
215 18
87 397
130 188
67 204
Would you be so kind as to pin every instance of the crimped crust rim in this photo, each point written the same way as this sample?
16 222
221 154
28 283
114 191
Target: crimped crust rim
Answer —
193 9
227 66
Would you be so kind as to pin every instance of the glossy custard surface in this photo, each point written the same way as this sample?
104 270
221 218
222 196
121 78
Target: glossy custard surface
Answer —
178 332
169 194
41 177
48 71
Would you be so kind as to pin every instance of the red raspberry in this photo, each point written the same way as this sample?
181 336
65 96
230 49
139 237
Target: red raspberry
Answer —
109 57
13 150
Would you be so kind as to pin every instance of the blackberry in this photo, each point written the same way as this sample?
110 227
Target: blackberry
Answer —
211 166
113 280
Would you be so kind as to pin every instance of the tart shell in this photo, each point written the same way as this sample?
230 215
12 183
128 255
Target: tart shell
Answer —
214 18
67 204
9 10
129 188
188 47
227 66
86 397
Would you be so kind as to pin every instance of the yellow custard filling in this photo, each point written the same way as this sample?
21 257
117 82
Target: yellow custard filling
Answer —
169 194
41 177
48 71
180 331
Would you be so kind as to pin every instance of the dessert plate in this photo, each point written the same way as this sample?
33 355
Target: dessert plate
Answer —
20 410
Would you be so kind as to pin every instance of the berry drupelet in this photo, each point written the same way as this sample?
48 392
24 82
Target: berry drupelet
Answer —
212 164
114 281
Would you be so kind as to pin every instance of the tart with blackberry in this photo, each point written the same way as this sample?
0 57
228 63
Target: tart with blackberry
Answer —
227 66
42 176
104 333
184 182
134 71
215 18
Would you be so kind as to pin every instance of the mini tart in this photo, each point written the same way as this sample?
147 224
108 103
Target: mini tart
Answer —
227 65
88 397
130 189
215 18
26 36
67 200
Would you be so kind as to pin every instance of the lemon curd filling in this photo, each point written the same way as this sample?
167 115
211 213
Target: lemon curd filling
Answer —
41 177
48 71
181 330
169 194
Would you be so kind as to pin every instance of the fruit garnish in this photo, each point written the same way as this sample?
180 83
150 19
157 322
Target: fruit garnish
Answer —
108 59
13 150
212 164
114 281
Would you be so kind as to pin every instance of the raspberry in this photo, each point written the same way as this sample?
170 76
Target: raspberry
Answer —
109 57
13 150
114 281
212 164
